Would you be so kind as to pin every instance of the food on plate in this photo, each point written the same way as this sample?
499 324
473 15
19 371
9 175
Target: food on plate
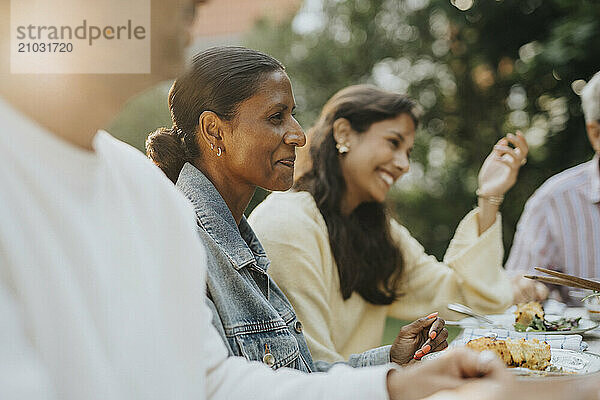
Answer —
531 354
497 346
530 317
526 312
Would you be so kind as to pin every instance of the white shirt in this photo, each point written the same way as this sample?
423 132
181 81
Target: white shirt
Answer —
560 225
102 285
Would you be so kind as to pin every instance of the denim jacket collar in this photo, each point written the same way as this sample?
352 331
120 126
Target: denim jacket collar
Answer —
240 244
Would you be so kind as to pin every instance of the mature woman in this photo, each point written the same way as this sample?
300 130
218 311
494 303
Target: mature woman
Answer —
233 130
343 262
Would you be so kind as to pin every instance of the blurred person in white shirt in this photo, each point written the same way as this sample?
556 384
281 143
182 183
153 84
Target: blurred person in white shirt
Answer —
102 276
560 225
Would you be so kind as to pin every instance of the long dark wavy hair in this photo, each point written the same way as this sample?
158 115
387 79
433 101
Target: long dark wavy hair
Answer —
368 261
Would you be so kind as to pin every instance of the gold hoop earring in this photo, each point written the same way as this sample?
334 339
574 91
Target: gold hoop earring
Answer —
219 152
342 148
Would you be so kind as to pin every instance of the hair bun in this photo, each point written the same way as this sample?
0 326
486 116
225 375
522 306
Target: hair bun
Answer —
164 148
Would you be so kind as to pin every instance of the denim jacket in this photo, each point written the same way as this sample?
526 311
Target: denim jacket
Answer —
252 315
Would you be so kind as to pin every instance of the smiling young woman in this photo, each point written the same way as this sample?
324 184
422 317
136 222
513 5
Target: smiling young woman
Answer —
343 262
378 158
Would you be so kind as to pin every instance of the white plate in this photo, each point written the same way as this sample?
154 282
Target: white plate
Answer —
564 363
506 321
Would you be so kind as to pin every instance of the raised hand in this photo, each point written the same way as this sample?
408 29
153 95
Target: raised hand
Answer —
501 167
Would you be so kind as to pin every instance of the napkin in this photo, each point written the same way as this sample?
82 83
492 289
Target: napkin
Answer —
568 342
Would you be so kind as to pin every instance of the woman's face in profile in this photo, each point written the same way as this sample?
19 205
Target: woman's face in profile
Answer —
262 147
377 158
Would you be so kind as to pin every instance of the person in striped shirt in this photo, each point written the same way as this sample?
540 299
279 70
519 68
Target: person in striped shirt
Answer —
560 225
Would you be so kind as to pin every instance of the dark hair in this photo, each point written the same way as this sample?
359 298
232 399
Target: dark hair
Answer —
219 79
368 260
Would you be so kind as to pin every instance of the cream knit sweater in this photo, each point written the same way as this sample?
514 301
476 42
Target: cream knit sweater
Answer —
294 235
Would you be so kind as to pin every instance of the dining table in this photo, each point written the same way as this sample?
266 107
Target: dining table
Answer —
460 329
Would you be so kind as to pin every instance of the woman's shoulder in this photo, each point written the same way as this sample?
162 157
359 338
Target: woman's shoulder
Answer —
301 198
289 207
398 231
295 237
289 217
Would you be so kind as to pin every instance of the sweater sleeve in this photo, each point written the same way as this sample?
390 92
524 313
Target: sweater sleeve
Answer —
471 273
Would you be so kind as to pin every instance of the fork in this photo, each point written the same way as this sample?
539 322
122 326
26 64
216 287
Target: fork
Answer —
461 308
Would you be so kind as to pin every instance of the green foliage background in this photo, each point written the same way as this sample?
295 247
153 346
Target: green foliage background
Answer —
498 67
502 65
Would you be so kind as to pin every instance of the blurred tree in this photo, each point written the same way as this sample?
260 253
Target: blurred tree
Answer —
478 68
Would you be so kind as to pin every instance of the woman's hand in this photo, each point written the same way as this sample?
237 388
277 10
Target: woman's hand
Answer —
498 174
453 370
501 167
425 335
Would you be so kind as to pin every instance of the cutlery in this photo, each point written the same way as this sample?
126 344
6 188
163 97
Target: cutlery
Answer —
460 308
559 278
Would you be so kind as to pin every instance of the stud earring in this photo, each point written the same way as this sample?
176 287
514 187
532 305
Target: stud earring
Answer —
342 148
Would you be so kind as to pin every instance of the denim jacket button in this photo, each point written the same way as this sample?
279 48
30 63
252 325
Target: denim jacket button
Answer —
269 359
298 326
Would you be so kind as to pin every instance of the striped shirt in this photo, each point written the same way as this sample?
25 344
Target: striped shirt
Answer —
560 225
